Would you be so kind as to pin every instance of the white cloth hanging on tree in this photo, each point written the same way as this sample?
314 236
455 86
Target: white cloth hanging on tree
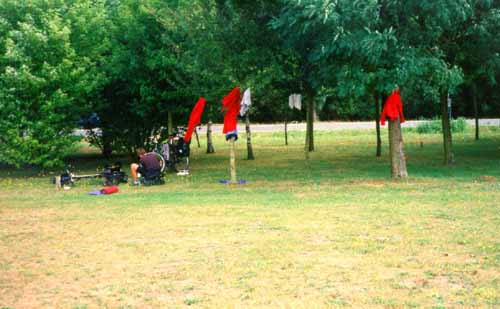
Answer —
295 101
245 102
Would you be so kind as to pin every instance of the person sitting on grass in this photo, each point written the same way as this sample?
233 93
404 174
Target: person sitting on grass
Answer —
148 166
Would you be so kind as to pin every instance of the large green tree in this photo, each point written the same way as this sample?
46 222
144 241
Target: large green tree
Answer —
48 70
477 52
347 57
297 26
148 77
139 64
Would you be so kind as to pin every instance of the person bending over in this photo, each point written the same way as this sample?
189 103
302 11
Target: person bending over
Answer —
148 165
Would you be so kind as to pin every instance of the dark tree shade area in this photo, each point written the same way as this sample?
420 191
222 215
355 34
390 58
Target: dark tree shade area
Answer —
140 65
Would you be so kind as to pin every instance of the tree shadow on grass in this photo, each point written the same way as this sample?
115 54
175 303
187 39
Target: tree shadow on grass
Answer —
79 162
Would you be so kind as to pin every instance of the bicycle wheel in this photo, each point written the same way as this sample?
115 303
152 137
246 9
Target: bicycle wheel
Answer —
163 164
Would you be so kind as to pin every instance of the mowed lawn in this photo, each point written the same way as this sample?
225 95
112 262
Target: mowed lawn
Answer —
334 231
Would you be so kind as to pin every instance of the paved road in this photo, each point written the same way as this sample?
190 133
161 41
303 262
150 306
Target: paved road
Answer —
323 126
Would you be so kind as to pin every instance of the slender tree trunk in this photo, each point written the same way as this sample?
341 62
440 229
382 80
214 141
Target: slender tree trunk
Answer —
250 155
315 115
306 145
396 149
107 149
210 145
476 109
310 125
197 138
445 120
286 126
377 124
170 124
232 160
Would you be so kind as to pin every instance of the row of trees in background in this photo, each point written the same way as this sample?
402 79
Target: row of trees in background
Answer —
141 65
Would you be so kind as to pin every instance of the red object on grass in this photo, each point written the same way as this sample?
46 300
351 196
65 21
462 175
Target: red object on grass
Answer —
231 105
194 118
110 190
393 108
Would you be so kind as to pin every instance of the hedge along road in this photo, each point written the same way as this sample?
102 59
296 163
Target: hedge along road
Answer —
321 126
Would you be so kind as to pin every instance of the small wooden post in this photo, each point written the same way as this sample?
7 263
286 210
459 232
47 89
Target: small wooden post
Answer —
232 160
396 150
210 145
57 180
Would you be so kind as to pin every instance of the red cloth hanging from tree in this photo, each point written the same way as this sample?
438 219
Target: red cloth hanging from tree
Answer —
393 108
231 105
195 118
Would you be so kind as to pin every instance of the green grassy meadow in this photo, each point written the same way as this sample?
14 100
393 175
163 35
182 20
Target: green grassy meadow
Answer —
333 231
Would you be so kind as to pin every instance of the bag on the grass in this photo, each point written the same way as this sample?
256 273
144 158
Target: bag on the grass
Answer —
110 190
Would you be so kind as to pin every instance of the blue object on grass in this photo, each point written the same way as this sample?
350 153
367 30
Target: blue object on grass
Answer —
96 192
228 182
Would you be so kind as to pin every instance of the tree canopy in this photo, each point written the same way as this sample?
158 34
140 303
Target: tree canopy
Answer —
132 63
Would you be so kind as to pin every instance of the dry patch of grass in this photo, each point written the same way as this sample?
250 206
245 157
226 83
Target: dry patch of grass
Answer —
333 232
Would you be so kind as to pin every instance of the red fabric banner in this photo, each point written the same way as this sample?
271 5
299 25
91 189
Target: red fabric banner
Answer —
393 108
231 105
195 118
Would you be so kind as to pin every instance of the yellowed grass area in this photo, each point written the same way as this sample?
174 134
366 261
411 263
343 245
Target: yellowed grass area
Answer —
313 241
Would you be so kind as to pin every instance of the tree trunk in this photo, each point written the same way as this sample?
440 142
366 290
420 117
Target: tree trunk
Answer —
286 126
107 149
210 145
377 124
476 109
445 120
250 155
170 123
396 149
232 161
306 147
197 137
310 125
315 115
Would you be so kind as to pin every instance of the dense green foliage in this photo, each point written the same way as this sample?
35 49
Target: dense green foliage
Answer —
134 62
458 125
48 75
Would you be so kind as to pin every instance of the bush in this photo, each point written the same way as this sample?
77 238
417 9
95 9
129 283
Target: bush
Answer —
459 125
429 127
434 126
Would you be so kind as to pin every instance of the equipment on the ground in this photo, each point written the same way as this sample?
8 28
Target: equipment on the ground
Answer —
175 150
112 175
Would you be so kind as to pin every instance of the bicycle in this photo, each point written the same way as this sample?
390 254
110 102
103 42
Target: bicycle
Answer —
171 152
156 149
